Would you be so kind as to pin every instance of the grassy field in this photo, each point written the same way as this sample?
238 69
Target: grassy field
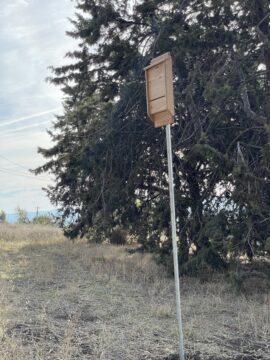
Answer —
64 300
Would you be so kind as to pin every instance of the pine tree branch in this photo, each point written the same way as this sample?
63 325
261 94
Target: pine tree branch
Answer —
245 98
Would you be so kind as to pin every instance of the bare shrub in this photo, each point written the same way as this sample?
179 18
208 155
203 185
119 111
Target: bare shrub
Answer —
118 237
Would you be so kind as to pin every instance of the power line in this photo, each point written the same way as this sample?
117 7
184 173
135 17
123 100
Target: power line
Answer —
11 132
12 172
21 166
20 133
14 162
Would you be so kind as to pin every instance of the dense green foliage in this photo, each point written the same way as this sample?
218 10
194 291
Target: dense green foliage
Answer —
110 163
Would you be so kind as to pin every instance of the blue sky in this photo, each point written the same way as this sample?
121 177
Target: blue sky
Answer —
32 37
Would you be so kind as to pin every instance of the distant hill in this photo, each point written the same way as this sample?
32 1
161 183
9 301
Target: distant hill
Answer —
12 218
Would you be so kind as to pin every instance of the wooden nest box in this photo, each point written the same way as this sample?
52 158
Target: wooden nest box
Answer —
159 90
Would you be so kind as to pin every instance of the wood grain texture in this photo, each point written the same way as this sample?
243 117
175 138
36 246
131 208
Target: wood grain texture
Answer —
159 90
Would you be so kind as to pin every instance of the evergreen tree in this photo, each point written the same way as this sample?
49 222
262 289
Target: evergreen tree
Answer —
110 163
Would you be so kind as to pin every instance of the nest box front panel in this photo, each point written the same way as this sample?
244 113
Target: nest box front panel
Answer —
159 90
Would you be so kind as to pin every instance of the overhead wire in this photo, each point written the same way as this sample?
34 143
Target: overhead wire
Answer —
14 162
22 167
12 172
11 133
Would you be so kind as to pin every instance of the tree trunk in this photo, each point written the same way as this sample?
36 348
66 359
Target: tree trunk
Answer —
196 208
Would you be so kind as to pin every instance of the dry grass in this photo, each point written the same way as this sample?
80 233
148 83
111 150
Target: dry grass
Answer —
64 300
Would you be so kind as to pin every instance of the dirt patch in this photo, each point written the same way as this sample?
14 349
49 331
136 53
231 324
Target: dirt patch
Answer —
87 315
29 333
86 349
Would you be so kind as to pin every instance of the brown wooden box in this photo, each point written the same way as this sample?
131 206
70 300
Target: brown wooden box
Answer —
159 90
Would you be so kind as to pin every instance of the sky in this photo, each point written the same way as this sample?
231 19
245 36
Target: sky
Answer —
32 38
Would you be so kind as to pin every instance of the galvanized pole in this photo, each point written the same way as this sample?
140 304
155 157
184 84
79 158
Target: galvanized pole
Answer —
175 249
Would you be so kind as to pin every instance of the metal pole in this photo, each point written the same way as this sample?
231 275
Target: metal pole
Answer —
175 249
